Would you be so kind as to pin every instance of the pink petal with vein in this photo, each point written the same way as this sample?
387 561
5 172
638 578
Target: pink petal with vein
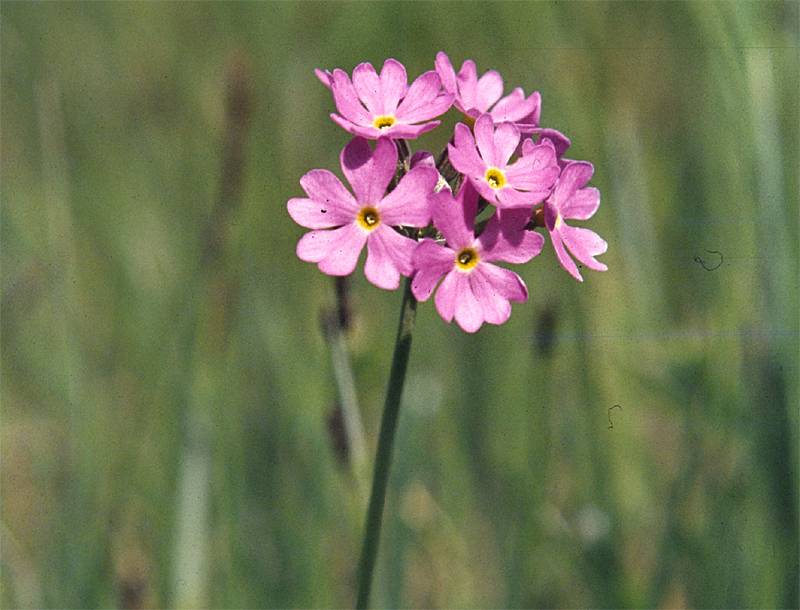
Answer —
368 87
584 245
409 203
346 99
495 308
490 88
314 215
506 140
507 283
388 256
424 99
455 216
447 295
484 138
582 205
468 312
369 172
394 83
431 261
324 187
335 251
574 176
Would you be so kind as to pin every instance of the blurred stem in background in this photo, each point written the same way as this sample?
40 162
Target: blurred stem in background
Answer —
383 458
216 289
346 416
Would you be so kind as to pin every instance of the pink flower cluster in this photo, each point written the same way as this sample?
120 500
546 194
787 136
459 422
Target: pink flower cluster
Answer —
445 224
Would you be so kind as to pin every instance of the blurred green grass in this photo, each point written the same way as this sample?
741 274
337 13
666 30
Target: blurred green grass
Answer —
164 436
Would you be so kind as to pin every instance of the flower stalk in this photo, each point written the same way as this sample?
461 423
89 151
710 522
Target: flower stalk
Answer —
383 457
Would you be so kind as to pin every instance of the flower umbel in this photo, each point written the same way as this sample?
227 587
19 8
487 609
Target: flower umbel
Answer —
500 162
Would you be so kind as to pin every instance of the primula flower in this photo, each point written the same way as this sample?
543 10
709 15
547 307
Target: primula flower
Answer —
523 183
476 96
344 224
570 201
375 106
473 290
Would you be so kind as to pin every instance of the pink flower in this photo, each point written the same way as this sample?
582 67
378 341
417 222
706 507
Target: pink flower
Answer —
570 201
523 183
375 106
473 290
476 96
343 224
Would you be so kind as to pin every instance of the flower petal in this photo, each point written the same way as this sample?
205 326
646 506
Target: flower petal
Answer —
495 308
369 172
536 170
484 138
423 100
444 68
509 197
505 240
314 215
394 84
347 100
431 262
324 187
409 203
582 205
368 87
408 132
468 312
559 140
455 216
513 107
506 140
447 295
336 251
507 283
490 88
574 176
462 154
356 130
324 76
584 245
564 258
484 190
388 255
423 158
467 80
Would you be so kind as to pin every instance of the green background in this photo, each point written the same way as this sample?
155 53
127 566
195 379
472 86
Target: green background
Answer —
165 410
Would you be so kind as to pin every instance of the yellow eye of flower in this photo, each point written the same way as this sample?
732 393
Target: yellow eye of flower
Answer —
495 178
368 218
466 259
383 121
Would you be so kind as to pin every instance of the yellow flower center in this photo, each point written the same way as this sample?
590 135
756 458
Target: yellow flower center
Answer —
368 218
384 121
495 178
559 221
466 259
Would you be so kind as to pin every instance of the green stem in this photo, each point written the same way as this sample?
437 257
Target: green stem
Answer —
383 458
